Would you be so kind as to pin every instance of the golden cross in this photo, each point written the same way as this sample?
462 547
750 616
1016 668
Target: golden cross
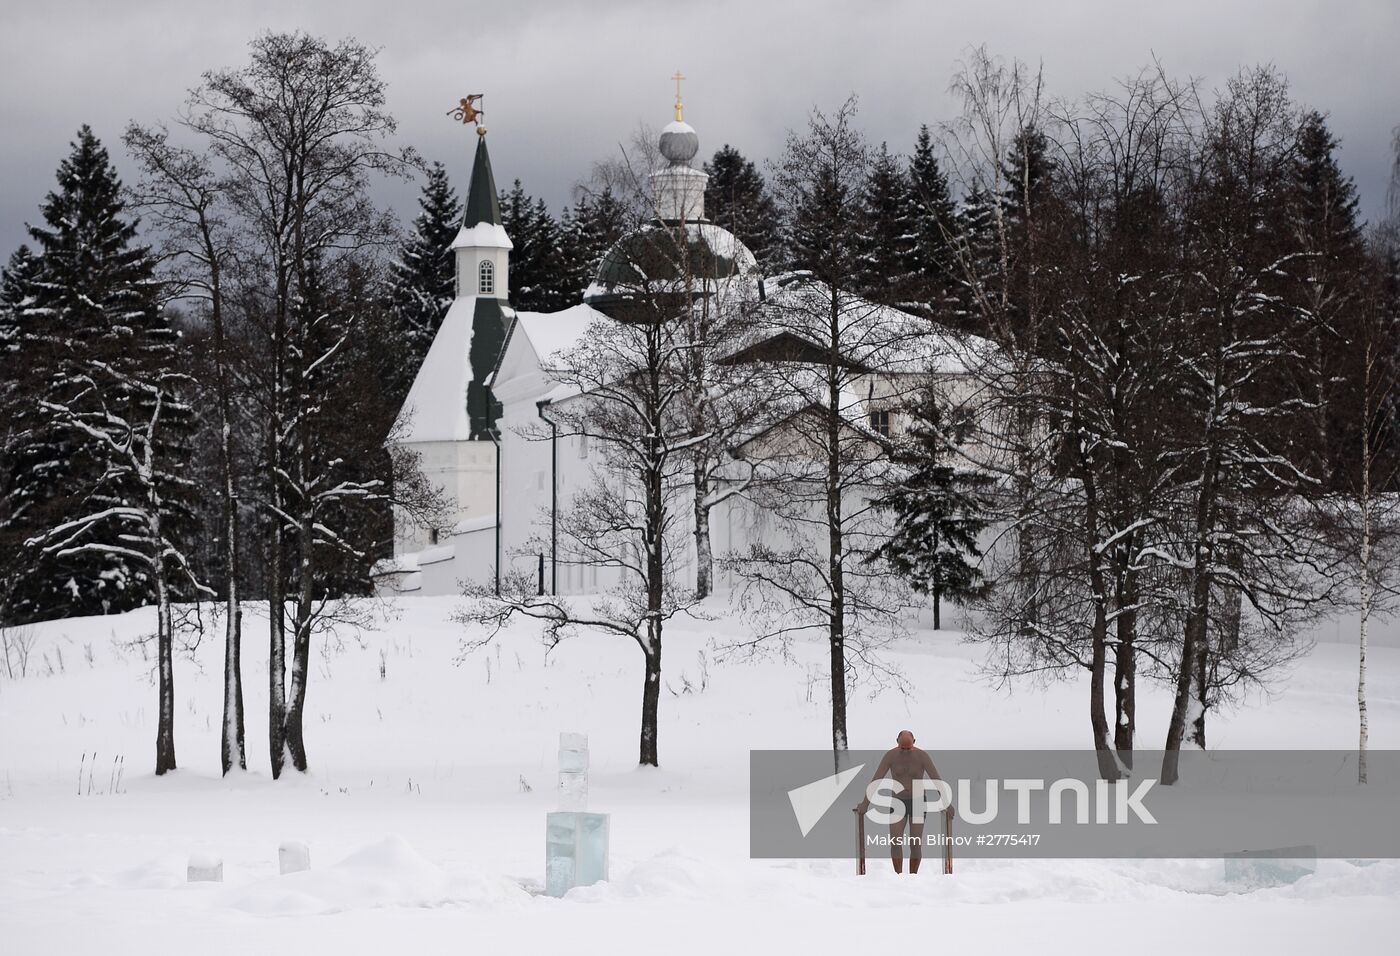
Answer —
678 78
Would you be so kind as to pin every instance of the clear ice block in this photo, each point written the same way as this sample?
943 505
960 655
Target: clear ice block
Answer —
1260 868
575 850
293 857
573 753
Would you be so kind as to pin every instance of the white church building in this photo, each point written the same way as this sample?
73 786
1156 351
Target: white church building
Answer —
478 411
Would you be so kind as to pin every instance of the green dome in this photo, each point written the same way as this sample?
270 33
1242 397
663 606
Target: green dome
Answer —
650 268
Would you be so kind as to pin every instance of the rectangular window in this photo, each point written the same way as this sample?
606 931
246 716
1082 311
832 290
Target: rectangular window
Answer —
487 275
880 423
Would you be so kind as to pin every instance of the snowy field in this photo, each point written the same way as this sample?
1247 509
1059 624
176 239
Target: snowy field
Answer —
425 809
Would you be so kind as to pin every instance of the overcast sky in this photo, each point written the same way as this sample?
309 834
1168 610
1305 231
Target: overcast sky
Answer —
566 82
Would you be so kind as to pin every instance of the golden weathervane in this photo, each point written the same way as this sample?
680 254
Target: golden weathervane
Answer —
468 112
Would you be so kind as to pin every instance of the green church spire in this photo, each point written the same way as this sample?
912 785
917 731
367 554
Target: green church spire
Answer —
482 204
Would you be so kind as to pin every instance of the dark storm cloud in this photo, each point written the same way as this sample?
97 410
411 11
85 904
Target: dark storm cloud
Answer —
566 82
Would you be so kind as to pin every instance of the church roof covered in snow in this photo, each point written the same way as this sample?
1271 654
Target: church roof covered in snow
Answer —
436 407
794 325
547 334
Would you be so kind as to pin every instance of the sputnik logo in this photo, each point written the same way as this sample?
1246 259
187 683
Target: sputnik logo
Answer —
811 801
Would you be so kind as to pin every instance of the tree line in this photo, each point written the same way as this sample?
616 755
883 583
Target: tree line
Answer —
1182 439
1172 432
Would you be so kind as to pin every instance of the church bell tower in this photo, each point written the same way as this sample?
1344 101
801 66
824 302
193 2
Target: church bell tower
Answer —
482 251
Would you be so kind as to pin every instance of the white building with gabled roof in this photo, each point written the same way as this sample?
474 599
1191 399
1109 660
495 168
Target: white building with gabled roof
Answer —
483 429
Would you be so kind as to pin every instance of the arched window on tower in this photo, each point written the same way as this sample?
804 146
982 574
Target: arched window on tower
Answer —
486 278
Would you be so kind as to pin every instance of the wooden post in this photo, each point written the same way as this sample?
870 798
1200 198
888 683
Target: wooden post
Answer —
860 842
948 841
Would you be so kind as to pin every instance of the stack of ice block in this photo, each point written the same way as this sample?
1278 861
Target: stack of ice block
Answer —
573 771
576 842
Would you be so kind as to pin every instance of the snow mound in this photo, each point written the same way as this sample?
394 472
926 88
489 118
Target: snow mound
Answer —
389 872
162 873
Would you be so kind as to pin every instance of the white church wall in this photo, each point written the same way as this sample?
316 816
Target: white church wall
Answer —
525 486
470 561
464 473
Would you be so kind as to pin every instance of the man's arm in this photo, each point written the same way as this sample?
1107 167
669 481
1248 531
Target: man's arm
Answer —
933 774
881 772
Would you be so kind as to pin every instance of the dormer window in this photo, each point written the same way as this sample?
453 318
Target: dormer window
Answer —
486 278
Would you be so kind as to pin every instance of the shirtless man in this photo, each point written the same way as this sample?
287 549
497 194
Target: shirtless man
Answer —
905 763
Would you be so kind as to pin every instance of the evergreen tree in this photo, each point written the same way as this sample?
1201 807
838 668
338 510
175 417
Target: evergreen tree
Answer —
1027 171
16 280
821 238
934 221
589 230
423 280
737 199
92 327
1027 203
977 250
535 263
886 232
16 384
938 510
1323 215
16 290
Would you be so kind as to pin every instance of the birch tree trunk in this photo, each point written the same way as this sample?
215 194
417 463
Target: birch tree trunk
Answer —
1367 592
233 751
704 553
165 727
835 540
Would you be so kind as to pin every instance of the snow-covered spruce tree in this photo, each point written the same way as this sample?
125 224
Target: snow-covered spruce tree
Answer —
127 413
422 279
94 301
939 507
16 383
16 279
596 222
297 134
187 204
932 215
538 257
1322 218
737 199
887 234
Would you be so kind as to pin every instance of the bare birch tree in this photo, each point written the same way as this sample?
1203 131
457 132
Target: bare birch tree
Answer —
626 523
295 137
842 367
185 201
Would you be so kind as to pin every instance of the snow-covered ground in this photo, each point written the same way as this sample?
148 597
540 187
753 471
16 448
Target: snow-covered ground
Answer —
425 808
